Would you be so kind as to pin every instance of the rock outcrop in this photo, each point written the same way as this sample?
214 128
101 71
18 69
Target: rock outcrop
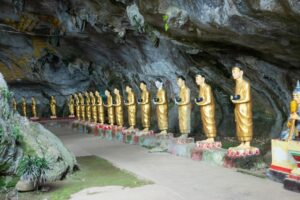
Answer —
20 138
59 47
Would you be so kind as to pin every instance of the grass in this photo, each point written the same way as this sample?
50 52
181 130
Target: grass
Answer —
94 172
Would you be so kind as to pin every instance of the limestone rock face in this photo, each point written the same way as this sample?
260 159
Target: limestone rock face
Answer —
98 45
19 138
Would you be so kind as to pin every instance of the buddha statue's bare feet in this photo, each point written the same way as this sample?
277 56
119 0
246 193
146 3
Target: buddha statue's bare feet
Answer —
145 130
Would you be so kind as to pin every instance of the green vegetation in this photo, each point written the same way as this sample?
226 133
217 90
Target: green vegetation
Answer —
94 172
166 25
33 169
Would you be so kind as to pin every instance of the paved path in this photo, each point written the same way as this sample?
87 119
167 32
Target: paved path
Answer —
177 177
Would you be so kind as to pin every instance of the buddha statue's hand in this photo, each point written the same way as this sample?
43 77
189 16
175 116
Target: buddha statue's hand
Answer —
199 99
177 100
155 100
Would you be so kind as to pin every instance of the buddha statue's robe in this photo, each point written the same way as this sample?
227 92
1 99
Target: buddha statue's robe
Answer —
94 108
88 107
33 108
145 109
71 106
82 107
131 109
119 110
24 108
100 110
184 110
77 105
162 109
243 111
207 110
14 105
53 107
110 110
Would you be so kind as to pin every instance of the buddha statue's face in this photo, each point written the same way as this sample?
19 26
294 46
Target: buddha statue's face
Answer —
116 91
128 89
32 98
143 86
180 82
107 93
158 84
237 73
200 80
296 97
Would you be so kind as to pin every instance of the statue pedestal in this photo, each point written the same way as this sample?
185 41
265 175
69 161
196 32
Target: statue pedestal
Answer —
286 164
34 118
72 116
181 146
237 152
53 117
202 146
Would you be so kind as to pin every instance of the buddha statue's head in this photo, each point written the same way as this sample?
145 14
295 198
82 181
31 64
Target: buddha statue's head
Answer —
91 94
97 94
107 92
32 98
237 73
200 80
158 83
116 91
143 85
296 93
128 89
180 81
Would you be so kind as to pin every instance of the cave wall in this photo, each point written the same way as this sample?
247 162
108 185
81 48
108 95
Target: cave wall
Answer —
59 47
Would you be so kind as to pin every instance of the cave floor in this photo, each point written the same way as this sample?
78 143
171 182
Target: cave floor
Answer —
174 177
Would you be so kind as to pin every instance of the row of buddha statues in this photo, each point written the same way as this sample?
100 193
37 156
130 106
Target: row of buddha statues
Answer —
90 107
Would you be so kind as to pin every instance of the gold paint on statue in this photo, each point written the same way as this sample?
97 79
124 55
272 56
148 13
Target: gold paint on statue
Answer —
71 106
24 107
294 118
161 102
131 107
53 107
100 108
82 106
94 107
33 108
184 108
145 107
14 104
243 108
110 108
118 108
88 106
77 106
207 108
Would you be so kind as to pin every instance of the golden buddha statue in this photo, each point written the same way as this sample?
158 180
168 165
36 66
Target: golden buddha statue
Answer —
161 102
24 107
77 106
33 108
71 106
53 107
243 109
118 108
100 108
110 108
207 109
293 122
14 104
131 107
94 107
82 106
88 106
184 107
145 106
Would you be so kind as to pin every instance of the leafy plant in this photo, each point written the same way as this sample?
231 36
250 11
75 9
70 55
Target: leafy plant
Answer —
165 19
16 133
146 28
33 169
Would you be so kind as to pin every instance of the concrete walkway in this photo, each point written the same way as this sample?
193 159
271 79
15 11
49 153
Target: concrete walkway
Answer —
174 177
